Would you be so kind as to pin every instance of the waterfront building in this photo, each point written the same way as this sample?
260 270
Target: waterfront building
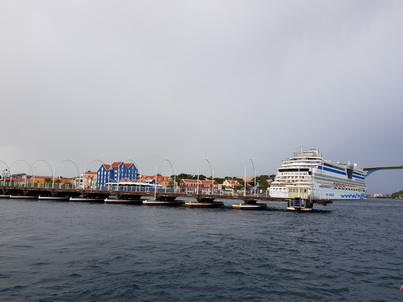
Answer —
22 179
48 180
15 181
230 186
379 195
164 181
5 173
115 173
193 186
87 180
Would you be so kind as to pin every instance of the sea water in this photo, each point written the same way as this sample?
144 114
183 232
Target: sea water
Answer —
64 251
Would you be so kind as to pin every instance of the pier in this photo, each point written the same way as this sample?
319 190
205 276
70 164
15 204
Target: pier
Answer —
160 195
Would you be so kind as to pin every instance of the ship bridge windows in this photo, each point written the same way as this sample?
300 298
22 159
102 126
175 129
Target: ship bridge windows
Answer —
350 173
288 171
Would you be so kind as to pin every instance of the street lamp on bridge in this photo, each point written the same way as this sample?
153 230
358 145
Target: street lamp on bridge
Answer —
198 176
254 183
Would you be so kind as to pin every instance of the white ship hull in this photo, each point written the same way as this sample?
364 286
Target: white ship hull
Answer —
309 175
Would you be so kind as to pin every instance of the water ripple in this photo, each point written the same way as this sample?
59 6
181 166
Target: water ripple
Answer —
81 252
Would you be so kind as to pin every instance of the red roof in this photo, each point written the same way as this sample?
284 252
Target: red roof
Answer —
15 179
208 181
189 181
117 163
200 181
151 177
90 173
38 177
233 182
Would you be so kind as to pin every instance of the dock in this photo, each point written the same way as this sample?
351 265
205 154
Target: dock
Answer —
137 197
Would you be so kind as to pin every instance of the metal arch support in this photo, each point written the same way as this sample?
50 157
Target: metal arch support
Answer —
42 160
66 160
8 168
30 168
172 167
132 161
211 169
169 162
94 161
255 183
198 175
1 161
24 161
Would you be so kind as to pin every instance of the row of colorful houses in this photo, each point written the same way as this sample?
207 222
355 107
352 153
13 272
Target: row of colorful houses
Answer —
22 178
116 172
127 173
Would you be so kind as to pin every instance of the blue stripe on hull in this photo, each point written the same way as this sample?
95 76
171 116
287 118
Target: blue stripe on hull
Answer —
331 170
353 196
338 172
336 195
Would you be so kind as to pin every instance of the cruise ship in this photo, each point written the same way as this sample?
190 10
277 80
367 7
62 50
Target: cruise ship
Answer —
308 175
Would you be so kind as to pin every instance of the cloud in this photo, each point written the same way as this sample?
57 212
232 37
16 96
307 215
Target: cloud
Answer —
223 80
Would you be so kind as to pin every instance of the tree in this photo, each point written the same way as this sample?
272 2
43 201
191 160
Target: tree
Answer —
171 184
185 176
397 194
262 180
182 176
219 180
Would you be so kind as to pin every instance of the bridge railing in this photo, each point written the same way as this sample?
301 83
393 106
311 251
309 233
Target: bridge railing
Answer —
36 185
117 188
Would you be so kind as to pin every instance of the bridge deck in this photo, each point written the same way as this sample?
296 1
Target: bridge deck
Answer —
91 193
373 169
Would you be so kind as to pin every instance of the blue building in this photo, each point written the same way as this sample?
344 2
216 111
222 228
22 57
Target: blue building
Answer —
117 172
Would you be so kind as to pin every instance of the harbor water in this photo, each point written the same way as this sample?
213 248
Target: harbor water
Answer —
71 251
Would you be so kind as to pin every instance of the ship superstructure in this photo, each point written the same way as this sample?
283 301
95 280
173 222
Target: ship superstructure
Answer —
308 175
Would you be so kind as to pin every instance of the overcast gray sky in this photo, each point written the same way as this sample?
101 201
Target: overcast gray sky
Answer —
186 81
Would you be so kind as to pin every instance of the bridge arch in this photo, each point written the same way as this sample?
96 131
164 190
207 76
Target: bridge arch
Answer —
254 182
50 167
211 173
210 166
62 162
24 161
1 161
376 183
172 167
94 161
374 169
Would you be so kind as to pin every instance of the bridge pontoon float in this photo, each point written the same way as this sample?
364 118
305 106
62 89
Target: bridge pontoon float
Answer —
250 204
299 204
205 202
